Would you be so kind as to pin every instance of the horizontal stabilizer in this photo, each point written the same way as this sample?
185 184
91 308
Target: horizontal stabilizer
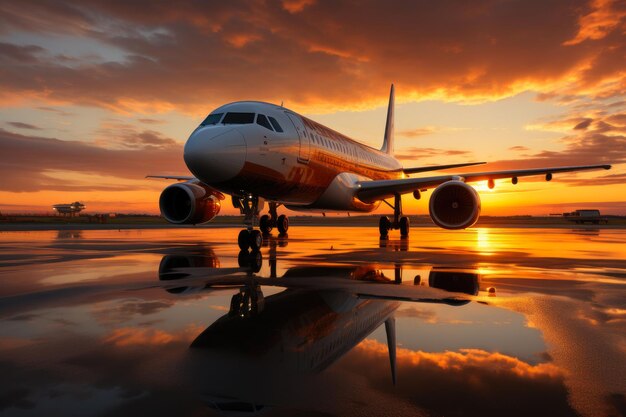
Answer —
172 177
439 167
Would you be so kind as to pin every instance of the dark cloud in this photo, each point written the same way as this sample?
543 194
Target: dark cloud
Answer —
33 158
584 124
21 125
312 54
56 111
612 179
419 153
519 148
151 121
413 133
599 143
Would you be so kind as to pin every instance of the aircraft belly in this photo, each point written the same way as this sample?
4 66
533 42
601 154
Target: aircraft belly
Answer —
340 195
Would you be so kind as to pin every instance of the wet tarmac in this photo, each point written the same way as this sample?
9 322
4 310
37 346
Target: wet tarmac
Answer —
325 321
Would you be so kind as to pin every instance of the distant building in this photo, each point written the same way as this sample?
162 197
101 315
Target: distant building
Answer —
70 210
586 216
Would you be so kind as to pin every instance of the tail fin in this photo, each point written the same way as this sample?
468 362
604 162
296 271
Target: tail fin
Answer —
388 141
390 329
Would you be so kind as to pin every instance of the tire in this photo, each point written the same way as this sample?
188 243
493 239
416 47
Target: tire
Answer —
405 226
244 240
264 224
283 224
256 240
256 261
252 260
383 226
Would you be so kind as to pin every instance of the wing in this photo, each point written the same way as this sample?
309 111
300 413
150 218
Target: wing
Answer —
172 177
370 191
438 167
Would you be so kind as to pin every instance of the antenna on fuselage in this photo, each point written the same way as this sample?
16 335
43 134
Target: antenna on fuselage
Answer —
281 103
388 140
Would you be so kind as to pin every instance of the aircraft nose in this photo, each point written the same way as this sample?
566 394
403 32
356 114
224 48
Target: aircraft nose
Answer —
215 155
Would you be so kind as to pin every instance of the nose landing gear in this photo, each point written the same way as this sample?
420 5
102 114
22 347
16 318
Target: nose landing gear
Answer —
399 221
250 206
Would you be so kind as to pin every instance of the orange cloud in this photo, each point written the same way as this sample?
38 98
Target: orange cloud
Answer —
606 15
134 336
456 361
34 161
296 6
471 52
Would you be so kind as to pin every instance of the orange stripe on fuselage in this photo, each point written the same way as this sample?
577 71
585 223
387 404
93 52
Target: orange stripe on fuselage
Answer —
305 182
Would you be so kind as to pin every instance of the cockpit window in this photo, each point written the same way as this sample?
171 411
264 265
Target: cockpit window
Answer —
262 120
212 119
233 118
275 124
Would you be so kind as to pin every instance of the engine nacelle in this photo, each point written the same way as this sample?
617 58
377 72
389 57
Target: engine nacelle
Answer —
189 203
454 205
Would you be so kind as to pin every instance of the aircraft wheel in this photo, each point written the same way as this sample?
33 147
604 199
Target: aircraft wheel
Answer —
264 224
404 226
383 226
283 224
244 240
256 240
253 260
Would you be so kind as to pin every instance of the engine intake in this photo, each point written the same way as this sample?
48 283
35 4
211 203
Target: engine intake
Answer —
454 205
189 203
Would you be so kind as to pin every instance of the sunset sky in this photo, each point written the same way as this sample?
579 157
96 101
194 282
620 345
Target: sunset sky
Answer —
96 94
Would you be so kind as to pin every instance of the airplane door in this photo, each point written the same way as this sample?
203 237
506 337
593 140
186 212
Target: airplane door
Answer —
305 144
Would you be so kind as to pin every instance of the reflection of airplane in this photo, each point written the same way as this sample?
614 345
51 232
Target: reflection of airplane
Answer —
69 209
264 348
259 152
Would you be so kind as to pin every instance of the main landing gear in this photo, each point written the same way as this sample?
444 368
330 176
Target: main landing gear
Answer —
268 222
250 206
399 221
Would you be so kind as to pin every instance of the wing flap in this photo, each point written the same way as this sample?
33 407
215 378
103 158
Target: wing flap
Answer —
370 191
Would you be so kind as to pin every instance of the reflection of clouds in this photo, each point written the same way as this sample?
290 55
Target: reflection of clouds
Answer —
427 315
129 336
587 341
123 311
466 358
465 382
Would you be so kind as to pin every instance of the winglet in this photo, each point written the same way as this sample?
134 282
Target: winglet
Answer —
388 140
390 329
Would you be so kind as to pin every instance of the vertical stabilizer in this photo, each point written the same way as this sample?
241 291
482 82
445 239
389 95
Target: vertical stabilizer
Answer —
390 329
388 141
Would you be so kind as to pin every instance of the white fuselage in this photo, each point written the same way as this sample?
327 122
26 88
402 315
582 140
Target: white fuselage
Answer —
241 150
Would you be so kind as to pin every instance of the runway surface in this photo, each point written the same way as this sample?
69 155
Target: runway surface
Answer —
325 321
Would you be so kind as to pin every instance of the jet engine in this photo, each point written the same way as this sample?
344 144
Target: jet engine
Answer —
454 205
189 203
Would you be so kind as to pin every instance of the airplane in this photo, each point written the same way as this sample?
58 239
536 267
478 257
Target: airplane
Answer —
69 209
259 152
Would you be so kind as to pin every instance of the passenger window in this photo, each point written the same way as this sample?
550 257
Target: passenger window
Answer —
212 119
238 118
262 120
275 124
